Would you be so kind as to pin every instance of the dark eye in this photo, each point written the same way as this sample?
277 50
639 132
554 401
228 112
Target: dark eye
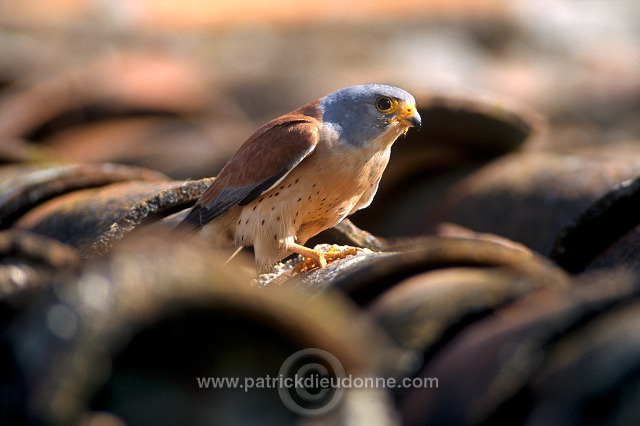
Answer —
385 105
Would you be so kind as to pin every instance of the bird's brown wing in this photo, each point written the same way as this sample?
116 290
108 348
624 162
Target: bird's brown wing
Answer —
262 162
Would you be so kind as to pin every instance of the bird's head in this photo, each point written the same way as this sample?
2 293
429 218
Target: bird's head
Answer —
364 113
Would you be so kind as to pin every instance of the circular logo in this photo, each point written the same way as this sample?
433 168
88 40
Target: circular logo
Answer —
310 382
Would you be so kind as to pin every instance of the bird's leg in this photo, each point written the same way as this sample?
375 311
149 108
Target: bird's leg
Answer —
319 257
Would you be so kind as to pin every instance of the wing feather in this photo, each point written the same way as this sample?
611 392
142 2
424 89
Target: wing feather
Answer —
262 162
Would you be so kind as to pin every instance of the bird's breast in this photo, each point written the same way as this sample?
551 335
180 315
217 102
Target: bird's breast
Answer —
317 194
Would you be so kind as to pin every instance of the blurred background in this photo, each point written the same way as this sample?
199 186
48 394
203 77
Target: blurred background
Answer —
531 122
178 85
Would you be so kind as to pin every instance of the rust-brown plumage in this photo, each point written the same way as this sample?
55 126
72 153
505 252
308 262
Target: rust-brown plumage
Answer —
273 150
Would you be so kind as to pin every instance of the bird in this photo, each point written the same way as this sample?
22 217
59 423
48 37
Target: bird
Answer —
304 172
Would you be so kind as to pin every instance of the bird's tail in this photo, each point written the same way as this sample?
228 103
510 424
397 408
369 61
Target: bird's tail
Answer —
190 224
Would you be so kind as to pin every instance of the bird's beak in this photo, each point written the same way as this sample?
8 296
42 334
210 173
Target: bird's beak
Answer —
410 117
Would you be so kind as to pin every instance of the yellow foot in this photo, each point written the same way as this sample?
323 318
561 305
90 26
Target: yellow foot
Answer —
319 259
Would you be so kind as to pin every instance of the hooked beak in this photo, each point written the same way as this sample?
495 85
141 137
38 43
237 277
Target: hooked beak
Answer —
410 117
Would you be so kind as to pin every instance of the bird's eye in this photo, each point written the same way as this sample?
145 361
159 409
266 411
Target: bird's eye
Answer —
386 105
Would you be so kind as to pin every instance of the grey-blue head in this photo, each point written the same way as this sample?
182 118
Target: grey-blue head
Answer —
364 112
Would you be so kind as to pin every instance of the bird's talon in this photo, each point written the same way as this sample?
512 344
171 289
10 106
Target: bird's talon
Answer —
320 259
334 254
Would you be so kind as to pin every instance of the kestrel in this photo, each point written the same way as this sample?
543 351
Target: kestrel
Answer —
304 172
